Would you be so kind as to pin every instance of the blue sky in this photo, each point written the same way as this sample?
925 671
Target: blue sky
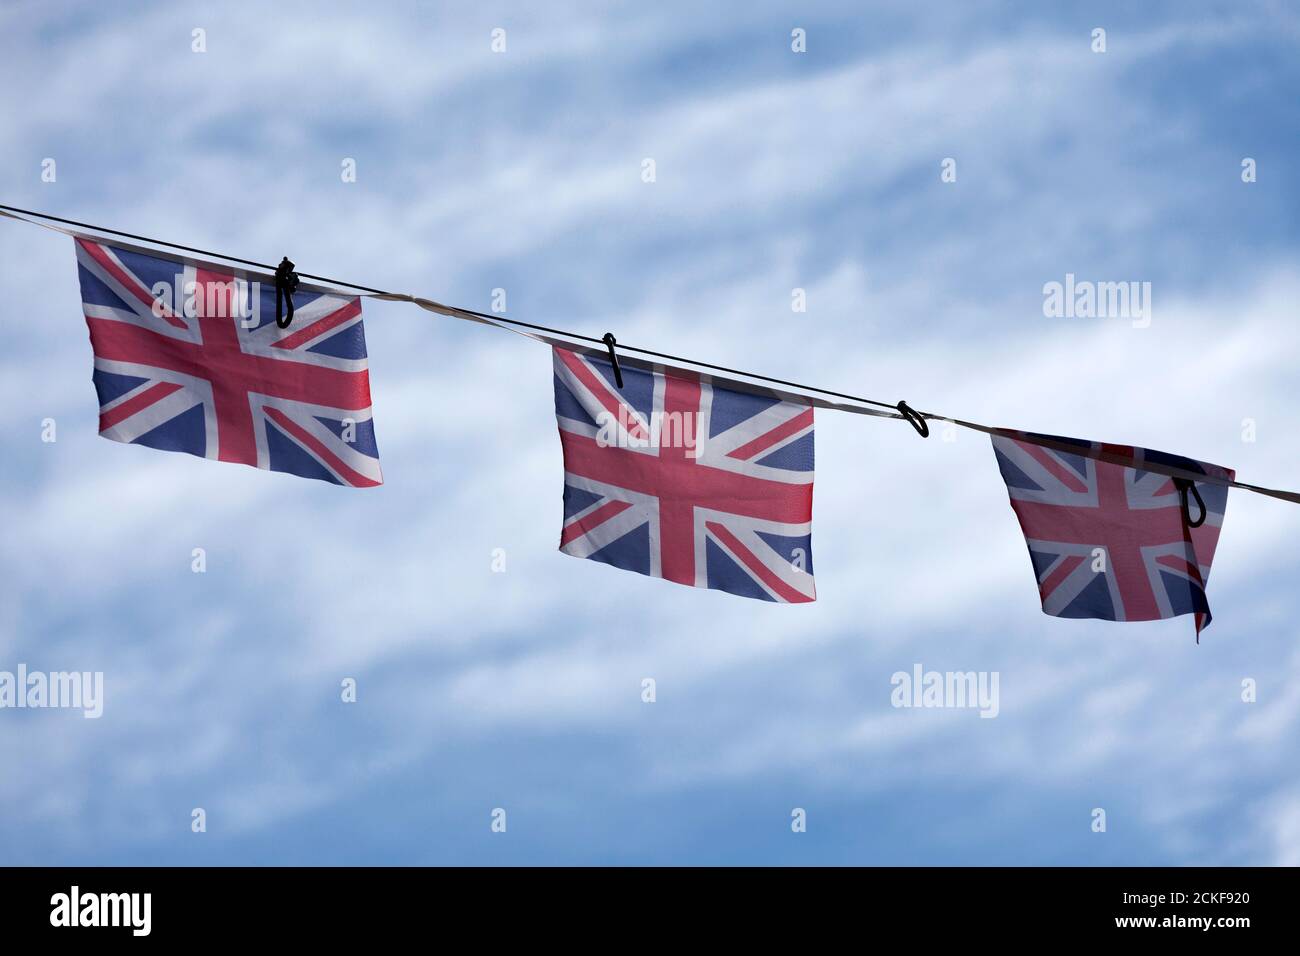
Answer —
775 170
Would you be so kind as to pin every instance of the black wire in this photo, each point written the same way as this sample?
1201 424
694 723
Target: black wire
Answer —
481 315
900 408
156 242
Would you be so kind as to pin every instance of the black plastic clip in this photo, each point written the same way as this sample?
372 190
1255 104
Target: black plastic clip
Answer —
286 284
610 342
1185 485
914 418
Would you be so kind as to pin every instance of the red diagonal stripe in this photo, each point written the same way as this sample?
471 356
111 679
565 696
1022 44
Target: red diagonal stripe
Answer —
599 389
1060 472
320 326
119 413
1182 565
759 569
797 424
132 285
1062 571
311 441
591 520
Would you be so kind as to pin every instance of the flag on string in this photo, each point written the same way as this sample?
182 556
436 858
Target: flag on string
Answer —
677 478
1114 532
189 358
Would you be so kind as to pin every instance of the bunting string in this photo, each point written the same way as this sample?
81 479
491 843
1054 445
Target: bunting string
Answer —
498 321
751 382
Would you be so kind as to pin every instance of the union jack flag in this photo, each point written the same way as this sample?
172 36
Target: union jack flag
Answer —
1108 532
677 478
204 369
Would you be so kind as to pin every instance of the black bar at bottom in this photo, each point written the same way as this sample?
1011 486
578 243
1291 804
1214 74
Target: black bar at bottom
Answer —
617 906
